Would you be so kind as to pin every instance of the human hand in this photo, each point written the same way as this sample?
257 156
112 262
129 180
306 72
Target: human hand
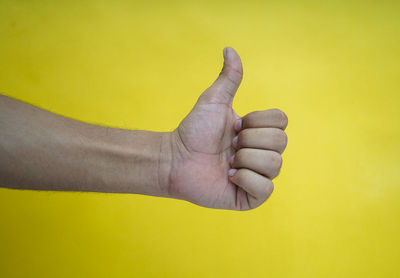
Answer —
220 160
45 151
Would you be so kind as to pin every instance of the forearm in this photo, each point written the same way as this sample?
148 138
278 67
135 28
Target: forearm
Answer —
44 151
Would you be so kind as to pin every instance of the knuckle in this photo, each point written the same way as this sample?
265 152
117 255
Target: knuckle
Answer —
276 172
280 138
282 117
261 197
232 74
284 140
243 138
240 176
267 191
247 120
275 160
250 120
240 156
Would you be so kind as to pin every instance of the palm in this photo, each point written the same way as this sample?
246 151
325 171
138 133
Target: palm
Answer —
203 141
201 175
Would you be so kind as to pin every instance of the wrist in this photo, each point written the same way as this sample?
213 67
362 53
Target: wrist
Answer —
126 161
164 163
147 163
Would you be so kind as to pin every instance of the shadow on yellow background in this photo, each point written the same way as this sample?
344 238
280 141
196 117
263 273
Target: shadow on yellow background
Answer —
332 66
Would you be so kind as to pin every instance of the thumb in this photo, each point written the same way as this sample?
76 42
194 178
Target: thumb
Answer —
224 88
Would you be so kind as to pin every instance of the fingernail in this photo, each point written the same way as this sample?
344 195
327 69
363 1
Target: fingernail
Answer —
234 141
232 159
226 53
232 172
238 125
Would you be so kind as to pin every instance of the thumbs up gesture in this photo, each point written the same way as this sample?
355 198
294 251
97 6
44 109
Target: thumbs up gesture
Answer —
221 160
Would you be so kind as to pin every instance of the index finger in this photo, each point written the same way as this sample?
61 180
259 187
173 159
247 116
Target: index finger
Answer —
266 118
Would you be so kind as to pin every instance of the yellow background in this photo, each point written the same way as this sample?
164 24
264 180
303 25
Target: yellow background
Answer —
332 66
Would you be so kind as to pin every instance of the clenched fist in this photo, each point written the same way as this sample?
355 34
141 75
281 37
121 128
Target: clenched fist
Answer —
214 158
221 160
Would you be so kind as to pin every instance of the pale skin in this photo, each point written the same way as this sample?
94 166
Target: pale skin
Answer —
214 158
